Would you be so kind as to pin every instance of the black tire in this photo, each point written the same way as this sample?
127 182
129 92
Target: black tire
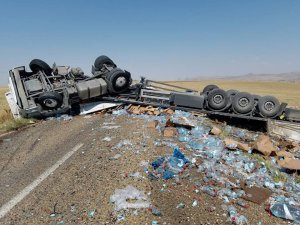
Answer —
256 97
75 109
50 100
217 99
118 80
268 106
39 65
101 60
232 92
243 103
209 88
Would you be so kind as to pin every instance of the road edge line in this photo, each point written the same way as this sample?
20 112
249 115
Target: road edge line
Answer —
19 197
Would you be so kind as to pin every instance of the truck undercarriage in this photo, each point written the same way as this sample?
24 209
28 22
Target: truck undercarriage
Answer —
49 91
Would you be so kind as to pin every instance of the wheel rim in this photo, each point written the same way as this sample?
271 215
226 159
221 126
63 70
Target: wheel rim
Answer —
243 102
218 99
120 82
50 103
269 106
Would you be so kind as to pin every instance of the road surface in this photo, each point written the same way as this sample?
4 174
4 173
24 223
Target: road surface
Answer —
63 172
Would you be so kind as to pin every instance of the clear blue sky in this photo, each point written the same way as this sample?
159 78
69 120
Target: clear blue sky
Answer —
160 39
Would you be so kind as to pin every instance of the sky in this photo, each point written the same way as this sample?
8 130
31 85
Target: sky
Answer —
159 39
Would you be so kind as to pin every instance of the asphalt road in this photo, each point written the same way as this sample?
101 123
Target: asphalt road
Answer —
62 172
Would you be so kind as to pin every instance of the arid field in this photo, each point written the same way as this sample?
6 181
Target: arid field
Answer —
4 109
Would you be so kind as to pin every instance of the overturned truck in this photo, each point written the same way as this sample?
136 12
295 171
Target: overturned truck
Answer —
48 91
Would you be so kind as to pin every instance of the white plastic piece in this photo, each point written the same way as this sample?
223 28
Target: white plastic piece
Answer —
120 197
96 106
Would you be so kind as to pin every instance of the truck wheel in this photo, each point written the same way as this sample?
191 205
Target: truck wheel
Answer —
50 100
232 92
75 109
118 80
217 99
39 65
243 102
209 88
101 60
268 106
256 97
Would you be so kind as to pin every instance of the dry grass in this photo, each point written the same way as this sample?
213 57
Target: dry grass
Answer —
5 114
7 122
285 92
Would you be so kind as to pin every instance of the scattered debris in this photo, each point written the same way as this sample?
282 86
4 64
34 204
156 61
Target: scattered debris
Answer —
233 176
121 196
92 107
286 212
290 163
152 124
195 203
154 222
257 195
170 132
169 166
63 117
265 146
180 206
150 110
110 127
60 222
91 213
234 145
115 157
122 143
155 211
107 139
215 131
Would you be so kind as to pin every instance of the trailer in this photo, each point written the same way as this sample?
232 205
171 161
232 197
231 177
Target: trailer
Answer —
47 91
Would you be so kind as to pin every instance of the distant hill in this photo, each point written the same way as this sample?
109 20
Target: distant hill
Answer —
281 77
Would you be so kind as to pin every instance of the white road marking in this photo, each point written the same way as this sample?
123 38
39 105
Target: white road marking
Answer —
19 197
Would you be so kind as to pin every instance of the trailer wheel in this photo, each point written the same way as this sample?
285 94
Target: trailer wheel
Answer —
39 65
209 88
217 99
101 60
256 97
50 100
243 102
232 92
268 106
118 80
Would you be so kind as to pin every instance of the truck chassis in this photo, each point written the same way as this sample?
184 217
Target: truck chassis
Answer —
48 91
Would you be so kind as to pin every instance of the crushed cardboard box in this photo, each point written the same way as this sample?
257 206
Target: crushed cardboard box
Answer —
265 146
168 111
150 110
285 154
152 124
215 131
256 195
289 163
233 145
170 132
